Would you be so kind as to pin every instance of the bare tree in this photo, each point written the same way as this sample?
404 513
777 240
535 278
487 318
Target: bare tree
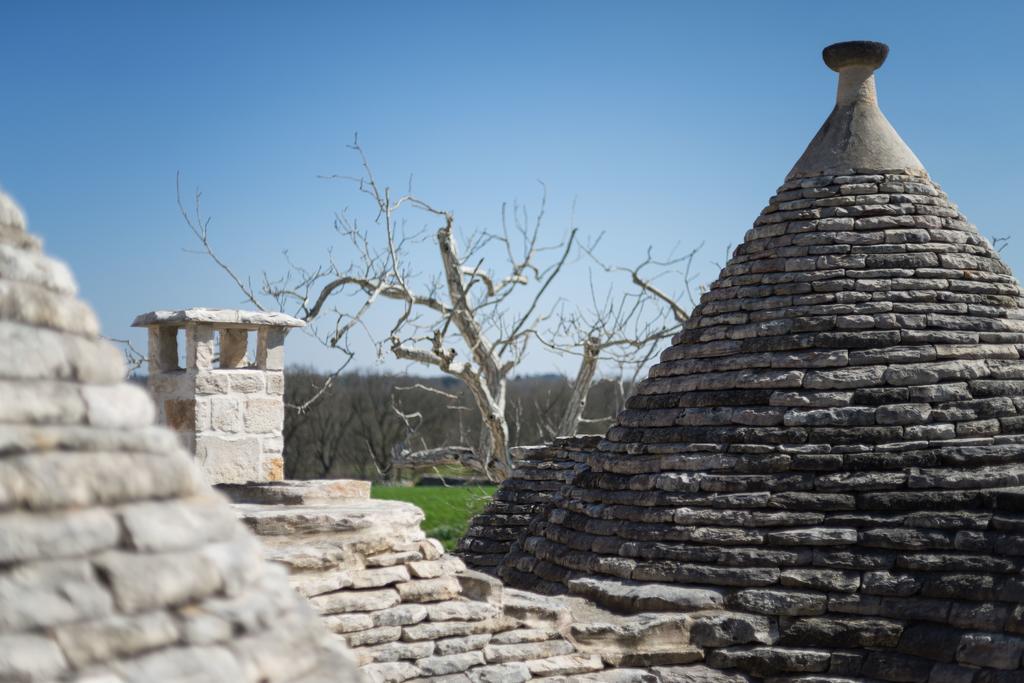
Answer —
625 328
473 315
459 322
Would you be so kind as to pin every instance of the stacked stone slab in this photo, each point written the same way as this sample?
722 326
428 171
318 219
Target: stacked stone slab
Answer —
833 442
539 473
118 564
227 408
406 609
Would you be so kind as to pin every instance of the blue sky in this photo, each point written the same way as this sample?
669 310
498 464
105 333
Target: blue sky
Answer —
666 122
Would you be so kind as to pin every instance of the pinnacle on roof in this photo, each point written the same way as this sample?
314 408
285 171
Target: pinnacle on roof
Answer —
856 137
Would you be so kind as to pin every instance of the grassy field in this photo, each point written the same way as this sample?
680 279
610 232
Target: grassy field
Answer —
448 509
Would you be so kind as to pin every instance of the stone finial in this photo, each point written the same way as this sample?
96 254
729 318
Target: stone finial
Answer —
868 53
856 137
221 394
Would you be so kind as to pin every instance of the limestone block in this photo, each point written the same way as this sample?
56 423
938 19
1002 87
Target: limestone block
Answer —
401 615
396 651
275 383
140 582
452 646
182 664
177 525
309 584
245 381
513 672
429 590
226 414
45 594
524 635
233 346
25 657
233 460
210 382
377 578
388 522
346 623
199 347
445 629
116 636
460 610
521 652
449 664
271 444
180 414
779 602
731 628
374 636
264 415
565 665
390 672
272 467
270 348
40 403
697 673
118 406
48 480
203 414
163 350
355 601
637 596
313 491
26 537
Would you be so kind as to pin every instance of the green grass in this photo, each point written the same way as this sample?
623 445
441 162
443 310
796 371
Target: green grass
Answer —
447 509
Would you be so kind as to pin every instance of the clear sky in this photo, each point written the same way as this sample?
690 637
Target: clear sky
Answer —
667 122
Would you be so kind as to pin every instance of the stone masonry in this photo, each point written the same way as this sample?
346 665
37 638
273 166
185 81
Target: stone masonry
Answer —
409 612
225 402
540 472
118 564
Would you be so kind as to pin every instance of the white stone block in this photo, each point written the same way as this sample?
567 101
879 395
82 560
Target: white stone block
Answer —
264 415
211 382
226 414
227 460
233 345
270 348
245 381
199 347
275 383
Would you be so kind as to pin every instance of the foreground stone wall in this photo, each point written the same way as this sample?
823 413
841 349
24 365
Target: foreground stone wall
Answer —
118 564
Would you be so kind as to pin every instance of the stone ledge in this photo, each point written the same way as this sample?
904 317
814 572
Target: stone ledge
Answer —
297 492
217 316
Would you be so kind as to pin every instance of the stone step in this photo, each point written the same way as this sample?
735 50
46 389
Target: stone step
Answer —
697 673
535 611
565 665
608 676
634 596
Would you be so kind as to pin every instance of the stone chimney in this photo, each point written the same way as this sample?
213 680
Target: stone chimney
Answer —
222 390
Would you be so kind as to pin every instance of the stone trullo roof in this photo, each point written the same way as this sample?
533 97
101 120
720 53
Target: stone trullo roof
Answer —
117 563
833 442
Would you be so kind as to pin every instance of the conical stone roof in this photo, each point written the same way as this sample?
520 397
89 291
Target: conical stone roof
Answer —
834 441
117 563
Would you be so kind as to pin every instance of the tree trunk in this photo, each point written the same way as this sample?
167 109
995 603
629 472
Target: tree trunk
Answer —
570 421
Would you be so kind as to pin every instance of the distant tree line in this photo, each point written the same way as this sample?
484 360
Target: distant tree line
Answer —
364 421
